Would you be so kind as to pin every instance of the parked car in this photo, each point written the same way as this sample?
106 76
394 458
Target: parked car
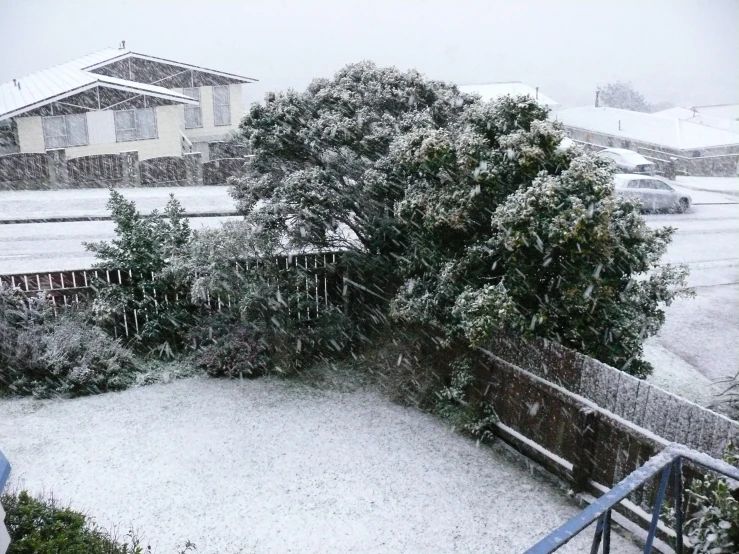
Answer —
629 161
656 193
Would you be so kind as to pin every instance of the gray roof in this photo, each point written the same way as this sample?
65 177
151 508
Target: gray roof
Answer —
58 82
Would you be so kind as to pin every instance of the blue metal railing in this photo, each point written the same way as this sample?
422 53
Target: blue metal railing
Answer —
669 462
4 472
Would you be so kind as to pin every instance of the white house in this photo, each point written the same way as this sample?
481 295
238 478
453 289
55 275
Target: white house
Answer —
697 148
694 116
117 100
491 91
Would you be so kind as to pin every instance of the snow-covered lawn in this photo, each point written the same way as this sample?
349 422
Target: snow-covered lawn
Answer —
274 466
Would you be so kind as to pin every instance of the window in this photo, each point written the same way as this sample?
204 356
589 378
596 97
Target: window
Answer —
61 131
193 114
221 106
135 124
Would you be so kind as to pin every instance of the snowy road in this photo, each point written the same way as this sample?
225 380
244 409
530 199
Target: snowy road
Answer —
699 342
274 466
38 247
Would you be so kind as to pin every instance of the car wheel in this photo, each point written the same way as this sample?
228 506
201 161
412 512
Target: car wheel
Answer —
684 205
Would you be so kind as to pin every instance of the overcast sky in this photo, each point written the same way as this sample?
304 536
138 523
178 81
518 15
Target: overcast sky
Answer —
684 51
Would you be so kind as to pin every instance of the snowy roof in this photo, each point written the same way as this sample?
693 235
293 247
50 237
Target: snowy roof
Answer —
694 116
724 111
73 77
650 128
491 91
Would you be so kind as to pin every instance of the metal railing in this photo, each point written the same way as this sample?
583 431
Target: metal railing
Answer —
4 474
669 463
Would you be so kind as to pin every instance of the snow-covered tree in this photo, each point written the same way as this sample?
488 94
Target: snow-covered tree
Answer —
467 216
623 95
526 237
316 154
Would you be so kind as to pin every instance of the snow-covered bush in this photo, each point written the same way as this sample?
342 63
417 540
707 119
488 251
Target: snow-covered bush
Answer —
145 247
509 231
265 315
42 354
458 404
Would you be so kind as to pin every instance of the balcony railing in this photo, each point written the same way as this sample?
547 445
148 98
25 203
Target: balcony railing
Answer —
669 464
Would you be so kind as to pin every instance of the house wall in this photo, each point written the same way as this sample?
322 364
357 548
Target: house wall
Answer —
170 119
718 161
209 130
30 134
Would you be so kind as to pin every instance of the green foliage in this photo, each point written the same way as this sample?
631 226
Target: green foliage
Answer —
42 354
144 249
266 313
42 526
459 215
712 523
458 404
711 508
531 238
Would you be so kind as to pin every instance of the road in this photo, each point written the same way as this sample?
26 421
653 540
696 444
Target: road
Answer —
698 345
37 247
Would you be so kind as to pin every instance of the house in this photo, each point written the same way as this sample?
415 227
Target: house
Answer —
117 100
491 91
697 149
723 111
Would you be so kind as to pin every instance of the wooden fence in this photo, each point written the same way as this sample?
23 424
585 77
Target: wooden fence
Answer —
590 423
320 285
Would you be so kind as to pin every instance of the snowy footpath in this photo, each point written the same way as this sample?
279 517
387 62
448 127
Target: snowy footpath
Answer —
274 466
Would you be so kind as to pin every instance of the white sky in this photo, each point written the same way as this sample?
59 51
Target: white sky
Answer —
684 51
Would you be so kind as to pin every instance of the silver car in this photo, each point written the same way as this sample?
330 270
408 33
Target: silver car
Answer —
629 161
655 193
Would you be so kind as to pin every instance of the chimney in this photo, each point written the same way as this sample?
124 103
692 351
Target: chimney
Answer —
537 93
123 45
619 124
597 96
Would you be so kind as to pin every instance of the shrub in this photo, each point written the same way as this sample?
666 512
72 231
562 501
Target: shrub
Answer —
42 526
144 247
44 354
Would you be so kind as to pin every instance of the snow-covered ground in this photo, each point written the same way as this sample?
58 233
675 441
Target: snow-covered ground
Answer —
725 185
38 204
274 466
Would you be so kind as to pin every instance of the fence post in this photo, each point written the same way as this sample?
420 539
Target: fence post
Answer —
584 449
131 168
58 172
194 169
